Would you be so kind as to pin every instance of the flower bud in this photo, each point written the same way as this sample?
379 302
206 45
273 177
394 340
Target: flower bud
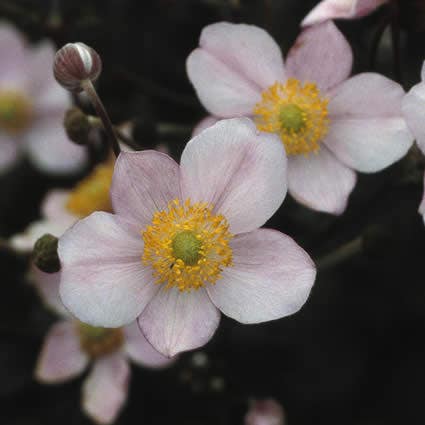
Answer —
77 125
265 412
45 254
75 63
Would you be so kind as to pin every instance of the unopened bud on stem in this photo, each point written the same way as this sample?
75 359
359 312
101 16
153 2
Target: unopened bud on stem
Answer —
45 254
75 63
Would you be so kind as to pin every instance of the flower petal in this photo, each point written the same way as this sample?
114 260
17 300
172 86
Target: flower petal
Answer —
61 357
141 351
103 280
13 56
105 389
344 9
320 181
238 170
176 321
143 183
54 207
320 55
271 278
50 149
367 130
413 107
47 285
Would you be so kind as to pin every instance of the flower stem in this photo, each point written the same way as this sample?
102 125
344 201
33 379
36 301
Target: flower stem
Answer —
341 254
103 115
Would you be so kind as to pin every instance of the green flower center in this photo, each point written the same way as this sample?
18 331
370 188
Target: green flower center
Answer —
15 112
186 247
292 118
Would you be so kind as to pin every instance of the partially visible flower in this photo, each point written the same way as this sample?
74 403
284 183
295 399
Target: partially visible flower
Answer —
62 208
32 107
341 9
265 412
184 242
329 125
414 111
71 346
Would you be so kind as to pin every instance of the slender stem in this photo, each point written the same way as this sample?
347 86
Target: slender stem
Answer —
127 139
341 254
103 115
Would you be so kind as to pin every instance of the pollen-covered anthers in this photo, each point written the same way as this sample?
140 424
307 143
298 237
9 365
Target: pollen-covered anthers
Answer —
16 112
97 342
296 112
187 245
92 193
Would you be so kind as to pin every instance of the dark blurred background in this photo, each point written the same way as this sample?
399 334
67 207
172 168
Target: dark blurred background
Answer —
354 354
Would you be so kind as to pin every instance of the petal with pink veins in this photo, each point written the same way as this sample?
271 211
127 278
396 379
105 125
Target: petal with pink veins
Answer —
238 170
413 108
367 131
320 181
61 357
105 389
140 351
176 321
271 278
50 150
143 183
320 55
104 282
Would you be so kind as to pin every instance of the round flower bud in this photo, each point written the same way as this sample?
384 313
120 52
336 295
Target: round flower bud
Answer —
75 63
45 254
77 125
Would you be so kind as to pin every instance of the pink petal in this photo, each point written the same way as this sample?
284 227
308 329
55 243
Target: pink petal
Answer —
103 280
51 151
47 285
271 278
344 9
176 321
143 183
54 207
223 91
206 122
320 181
413 106
13 56
265 412
105 389
367 130
141 351
61 357
10 150
321 55
238 170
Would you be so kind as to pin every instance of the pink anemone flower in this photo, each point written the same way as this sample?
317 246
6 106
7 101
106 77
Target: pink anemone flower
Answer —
71 346
413 109
329 125
184 242
341 9
32 107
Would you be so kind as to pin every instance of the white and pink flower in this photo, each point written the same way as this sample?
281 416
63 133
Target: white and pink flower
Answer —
70 347
330 125
184 242
32 107
341 9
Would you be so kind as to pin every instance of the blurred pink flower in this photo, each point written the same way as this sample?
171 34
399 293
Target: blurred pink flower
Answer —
32 106
184 242
71 346
265 412
340 9
414 110
330 125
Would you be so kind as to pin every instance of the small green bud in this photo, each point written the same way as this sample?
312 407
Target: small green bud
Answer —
77 125
45 254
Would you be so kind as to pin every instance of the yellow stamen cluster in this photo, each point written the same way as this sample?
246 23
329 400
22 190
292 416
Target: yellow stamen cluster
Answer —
296 112
15 112
92 193
98 342
187 245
